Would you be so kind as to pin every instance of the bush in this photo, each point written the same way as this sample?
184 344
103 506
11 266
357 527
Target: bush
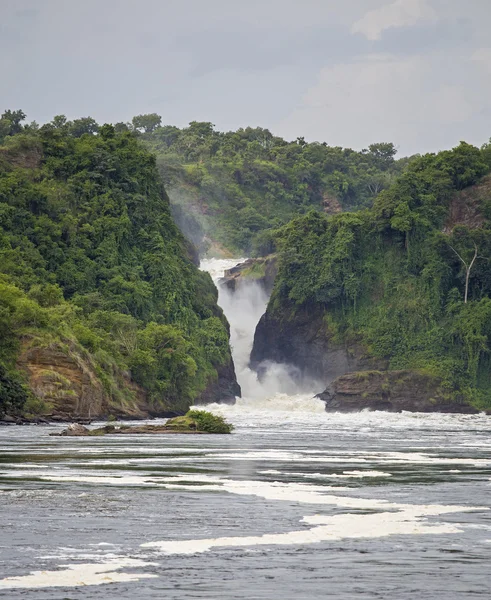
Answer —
207 421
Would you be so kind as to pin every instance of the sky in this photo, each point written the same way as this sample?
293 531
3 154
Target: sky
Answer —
346 72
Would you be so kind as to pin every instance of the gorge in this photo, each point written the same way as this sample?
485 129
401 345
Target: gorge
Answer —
105 314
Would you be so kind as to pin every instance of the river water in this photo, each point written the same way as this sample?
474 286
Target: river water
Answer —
295 504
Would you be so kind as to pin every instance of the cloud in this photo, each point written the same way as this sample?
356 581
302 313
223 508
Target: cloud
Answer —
420 103
252 48
293 67
401 13
483 57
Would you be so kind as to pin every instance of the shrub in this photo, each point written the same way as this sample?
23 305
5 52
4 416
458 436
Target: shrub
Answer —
207 421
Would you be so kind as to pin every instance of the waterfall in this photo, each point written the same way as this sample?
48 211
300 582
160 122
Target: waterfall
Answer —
280 384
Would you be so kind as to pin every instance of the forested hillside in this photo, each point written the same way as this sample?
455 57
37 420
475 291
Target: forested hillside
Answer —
405 285
101 307
230 190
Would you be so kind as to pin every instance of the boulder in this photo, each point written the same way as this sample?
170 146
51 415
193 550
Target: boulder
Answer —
75 429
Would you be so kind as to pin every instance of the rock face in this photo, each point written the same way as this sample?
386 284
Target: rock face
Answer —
354 380
466 206
263 270
67 383
303 341
224 389
392 391
331 204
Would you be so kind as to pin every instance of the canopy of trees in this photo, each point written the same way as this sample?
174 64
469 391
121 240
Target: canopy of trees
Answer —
401 278
236 187
92 263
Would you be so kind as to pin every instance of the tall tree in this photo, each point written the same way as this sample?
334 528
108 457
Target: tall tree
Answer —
147 123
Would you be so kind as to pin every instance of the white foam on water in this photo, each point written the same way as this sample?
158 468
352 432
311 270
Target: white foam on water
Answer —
391 519
343 475
273 407
410 521
75 575
105 479
416 458
302 493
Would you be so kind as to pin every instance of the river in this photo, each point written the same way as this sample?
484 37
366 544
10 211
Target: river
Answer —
295 504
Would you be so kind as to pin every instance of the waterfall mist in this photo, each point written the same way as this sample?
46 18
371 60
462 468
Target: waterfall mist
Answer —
243 309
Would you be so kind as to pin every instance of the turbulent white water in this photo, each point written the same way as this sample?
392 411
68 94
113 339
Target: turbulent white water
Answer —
280 388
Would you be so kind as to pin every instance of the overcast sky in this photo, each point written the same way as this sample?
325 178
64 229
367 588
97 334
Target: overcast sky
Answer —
348 72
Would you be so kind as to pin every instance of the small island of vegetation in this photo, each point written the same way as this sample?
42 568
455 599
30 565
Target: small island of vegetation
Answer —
194 421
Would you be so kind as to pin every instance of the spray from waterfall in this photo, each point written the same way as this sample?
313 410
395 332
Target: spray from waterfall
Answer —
243 309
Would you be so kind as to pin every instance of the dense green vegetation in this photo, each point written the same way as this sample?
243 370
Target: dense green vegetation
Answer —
237 187
200 420
91 263
394 277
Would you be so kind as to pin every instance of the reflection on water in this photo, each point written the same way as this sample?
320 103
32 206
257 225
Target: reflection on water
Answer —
293 504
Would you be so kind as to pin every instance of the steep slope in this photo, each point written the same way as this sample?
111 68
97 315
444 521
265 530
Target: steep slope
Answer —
385 290
102 309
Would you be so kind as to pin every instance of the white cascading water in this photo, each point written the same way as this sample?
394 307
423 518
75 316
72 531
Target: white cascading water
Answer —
278 389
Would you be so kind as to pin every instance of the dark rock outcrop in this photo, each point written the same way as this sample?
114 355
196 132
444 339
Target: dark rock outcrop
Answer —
262 270
303 340
224 389
392 391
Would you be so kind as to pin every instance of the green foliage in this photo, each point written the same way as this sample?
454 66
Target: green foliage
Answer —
146 123
240 185
393 277
90 259
13 394
207 421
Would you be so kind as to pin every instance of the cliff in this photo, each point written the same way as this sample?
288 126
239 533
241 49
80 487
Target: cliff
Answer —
302 339
103 309
391 290
392 391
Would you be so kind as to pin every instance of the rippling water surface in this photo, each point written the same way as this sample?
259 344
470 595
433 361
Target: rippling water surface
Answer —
295 504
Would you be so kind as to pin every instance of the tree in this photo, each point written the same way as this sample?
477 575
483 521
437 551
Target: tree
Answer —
465 164
59 122
15 117
383 154
201 129
468 264
84 125
147 123
121 127
10 123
